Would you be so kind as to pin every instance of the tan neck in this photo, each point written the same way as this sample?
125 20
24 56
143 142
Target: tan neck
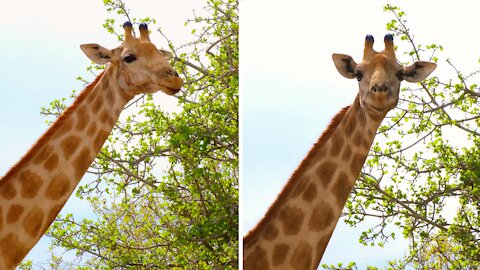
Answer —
296 229
34 191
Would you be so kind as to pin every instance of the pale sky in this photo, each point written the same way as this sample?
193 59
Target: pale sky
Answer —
290 89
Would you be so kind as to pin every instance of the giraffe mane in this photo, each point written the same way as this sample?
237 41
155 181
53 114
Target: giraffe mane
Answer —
252 235
37 146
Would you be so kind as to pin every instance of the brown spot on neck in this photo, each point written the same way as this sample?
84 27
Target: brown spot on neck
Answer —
58 187
13 250
302 257
83 118
280 253
56 128
292 219
270 233
321 246
1 218
82 162
257 260
342 188
310 193
357 163
69 145
14 213
337 144
8 191
295 178
322 217
325 172
51 163
357 138
347 153
33 222
31 183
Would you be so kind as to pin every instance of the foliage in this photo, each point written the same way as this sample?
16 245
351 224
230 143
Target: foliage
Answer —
165 186
423 171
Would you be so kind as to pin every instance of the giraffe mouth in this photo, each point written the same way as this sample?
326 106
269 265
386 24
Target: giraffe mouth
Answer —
168 90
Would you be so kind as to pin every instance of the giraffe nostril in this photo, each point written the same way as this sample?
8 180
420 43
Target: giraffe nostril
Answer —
379 88
176 74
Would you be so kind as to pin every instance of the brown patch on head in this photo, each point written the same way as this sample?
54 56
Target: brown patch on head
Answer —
325 172
357 163
322 217
292 219
82 162
310 193
342 188
271 232
102 135
337 144
357 138
300 186
43 154
289 189
14 213
32 223
51 163
257 260
69 145
347 153
31 183
58 187
83 118
12 250
302 257
279 255
8 191
92 129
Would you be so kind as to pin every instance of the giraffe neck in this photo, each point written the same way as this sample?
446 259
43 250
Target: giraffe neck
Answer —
296 229
34 191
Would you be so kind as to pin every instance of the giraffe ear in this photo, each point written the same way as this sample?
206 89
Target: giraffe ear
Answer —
96 53
418 71
345 65
168 55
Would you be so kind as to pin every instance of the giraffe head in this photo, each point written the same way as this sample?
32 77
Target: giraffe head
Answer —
142 68
379 75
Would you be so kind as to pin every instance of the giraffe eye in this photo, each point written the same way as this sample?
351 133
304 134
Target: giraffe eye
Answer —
129 58
358 75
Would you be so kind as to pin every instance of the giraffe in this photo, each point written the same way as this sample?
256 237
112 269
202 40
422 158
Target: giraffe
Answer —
296 229
36 188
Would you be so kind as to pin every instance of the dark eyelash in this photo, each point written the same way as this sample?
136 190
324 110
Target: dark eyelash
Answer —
129 58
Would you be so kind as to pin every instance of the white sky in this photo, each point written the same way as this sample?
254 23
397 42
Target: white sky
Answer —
40 59
290 88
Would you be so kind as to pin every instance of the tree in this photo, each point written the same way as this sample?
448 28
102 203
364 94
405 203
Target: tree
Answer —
425 160
164 188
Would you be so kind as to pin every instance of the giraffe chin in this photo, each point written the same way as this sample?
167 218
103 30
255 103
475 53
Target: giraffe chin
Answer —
168 90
